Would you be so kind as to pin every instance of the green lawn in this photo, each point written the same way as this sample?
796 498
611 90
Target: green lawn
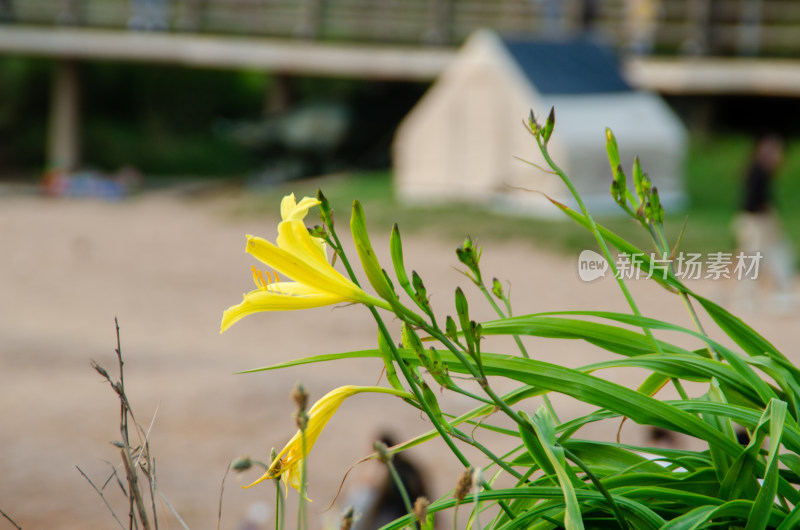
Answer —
714 174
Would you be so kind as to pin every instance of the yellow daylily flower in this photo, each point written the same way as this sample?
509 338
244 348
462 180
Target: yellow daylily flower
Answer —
290 461
301 257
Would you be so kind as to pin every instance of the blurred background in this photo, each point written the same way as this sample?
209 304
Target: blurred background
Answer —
162 92
141 139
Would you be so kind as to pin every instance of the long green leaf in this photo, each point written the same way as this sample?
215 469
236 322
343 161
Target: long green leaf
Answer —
639 509
544 428
759 515
612 338
751 378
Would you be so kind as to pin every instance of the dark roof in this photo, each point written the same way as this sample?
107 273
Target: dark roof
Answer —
578 66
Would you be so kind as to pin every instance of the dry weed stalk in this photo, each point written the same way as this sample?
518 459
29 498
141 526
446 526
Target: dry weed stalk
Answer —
135 459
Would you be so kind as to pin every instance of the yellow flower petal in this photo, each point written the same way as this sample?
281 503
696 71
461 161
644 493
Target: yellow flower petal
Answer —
293 237
262 300
286 463
291 211
290 460
305 268
301 257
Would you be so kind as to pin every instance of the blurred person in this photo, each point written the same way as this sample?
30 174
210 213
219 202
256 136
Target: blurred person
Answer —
758 231
377 501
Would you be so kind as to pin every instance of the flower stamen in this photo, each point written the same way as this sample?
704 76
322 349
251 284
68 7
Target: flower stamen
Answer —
266 284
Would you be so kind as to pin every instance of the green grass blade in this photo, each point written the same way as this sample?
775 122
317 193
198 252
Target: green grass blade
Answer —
613 338
765 501
544 427
742 334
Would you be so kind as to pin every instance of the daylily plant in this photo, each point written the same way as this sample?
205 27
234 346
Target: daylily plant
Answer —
301 257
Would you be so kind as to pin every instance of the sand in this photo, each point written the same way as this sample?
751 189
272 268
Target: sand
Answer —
167 266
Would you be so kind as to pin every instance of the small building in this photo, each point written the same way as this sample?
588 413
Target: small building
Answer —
463 140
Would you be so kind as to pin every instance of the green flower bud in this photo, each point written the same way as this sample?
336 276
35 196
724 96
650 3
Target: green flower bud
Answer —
450 328
470 256
615 190
622 185
439 369
375 274
549 125
612 150
318 231
640 180
243 463
420 292
658 211
462 310
430 398
497 288
388 362
325 212
396 247
532 123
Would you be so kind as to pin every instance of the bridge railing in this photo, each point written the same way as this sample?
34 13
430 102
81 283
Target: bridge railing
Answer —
700 27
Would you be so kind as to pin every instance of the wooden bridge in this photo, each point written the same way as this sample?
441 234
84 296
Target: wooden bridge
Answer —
678 46
700 27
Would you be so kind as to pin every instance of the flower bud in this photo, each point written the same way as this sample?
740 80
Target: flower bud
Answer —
462 309
318 231
497 288
396 247
615 190
532 123
622 185
450 328
420 292
640 181
612 150
547 131
658 210
375 274
243 463
325 212
470 256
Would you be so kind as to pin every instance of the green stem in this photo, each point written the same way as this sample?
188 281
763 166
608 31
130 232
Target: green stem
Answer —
597 235
404 369
279 508
600 487
679 387
301 502
485 450
400 487
502 314
396 355
438 335
416 391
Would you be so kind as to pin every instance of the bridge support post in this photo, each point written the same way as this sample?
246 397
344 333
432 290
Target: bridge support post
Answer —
63 147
